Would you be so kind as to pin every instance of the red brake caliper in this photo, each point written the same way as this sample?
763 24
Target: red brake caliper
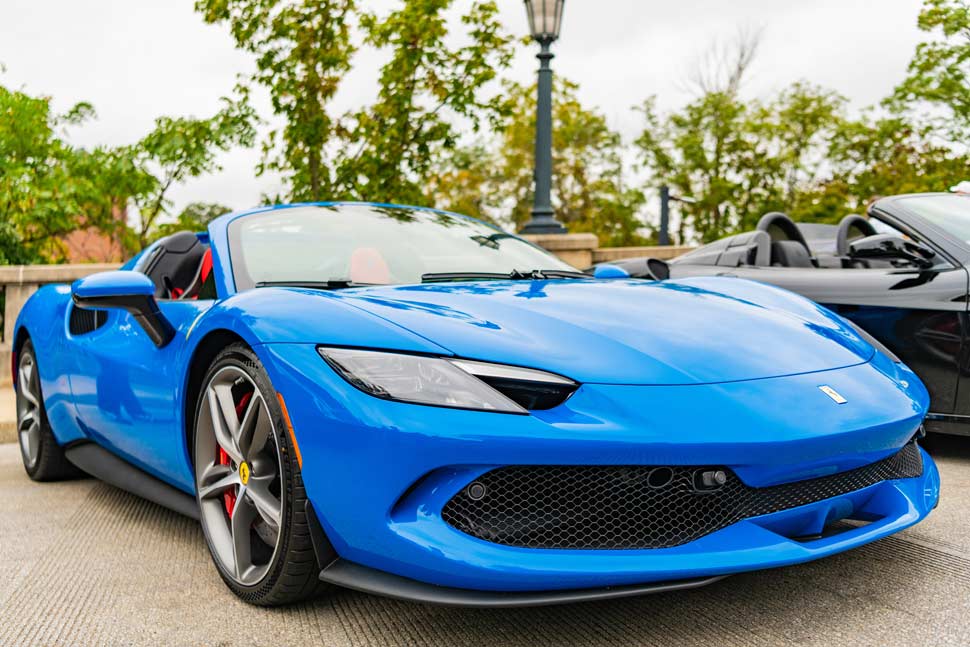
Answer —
229 497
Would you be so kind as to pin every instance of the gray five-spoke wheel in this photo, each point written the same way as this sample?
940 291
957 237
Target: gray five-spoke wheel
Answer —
238 475
28 409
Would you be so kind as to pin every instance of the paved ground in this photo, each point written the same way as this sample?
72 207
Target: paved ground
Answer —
82 563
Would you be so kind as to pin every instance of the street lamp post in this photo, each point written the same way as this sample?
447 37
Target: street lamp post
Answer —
545 18
666 197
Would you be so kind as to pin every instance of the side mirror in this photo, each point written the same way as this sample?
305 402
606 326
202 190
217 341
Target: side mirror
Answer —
638 268
130 291
607 271
892 247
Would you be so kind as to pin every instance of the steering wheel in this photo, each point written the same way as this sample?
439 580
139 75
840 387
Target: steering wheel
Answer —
780 227
850 228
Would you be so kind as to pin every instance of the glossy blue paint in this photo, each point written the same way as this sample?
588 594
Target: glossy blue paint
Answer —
607 271
346 434
695 371
614 331
113 284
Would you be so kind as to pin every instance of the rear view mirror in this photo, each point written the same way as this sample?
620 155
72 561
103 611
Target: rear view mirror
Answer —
130 291
890 247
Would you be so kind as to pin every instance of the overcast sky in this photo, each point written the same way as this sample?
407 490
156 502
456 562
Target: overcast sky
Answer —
138 59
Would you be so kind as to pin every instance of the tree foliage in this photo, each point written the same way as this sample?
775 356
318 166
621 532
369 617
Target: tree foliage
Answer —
179 148
302 48
801 151
429 91
196 216
44 183
939 74
872 157
49 188
495 180
702 152
444 129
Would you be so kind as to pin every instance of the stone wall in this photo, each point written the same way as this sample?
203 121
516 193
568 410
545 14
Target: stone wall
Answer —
583 250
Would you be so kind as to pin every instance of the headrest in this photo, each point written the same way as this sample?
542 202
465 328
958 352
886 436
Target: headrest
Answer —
790 253
174 263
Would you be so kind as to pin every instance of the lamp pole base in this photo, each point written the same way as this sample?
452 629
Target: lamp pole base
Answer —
552 227
543 222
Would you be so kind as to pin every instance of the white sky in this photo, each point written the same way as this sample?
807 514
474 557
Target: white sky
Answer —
138 59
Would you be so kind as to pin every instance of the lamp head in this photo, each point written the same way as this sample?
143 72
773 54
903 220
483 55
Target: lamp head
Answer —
545 19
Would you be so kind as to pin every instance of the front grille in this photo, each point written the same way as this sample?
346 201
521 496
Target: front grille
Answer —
632 507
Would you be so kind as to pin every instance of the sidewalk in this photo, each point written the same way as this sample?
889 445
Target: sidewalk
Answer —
82 563
8 414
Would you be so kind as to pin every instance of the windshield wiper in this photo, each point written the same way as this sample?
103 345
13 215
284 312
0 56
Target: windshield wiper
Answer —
332 284
514 275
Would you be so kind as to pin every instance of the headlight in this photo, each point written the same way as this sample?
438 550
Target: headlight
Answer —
878 345
443 382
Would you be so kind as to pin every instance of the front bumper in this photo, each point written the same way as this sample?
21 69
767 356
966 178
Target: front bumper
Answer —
379 473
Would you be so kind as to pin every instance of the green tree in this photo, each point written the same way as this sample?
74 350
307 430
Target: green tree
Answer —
196 216
33 166
466 182
791 138
702 152
302 49
939 74
181 148
739 160
47 187
430 91
871 157
588 173
494 180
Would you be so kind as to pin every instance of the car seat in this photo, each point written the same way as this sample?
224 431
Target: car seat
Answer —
174 263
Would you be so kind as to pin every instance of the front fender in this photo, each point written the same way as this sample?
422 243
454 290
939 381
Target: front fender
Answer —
275 315
43 318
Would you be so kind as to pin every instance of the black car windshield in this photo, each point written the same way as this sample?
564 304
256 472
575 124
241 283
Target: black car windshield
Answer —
366 244
948 212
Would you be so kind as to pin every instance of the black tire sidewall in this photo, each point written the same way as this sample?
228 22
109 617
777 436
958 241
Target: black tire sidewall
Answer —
51 463
243 358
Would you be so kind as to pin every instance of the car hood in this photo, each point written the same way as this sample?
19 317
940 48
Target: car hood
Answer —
692 331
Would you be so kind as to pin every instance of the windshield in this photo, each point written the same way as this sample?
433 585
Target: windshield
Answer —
948 212
367 244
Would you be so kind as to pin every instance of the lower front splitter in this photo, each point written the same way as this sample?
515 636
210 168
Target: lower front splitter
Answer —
368 580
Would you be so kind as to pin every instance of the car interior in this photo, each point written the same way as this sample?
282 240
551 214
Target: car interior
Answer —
180 266
778 241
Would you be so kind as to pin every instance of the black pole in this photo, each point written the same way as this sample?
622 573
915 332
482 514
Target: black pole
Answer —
543 218
664 236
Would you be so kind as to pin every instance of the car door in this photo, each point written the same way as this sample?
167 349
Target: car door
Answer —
124 386
921 315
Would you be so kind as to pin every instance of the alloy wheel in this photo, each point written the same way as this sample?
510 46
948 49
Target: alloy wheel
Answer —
239 475
28 410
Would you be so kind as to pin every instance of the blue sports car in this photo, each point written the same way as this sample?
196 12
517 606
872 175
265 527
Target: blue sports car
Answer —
419 405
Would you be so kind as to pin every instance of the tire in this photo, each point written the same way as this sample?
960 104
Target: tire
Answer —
247 475
43 458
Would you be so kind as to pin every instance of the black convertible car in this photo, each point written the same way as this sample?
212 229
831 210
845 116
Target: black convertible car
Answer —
901 275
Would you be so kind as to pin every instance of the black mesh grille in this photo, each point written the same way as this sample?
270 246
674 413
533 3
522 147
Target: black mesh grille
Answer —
617 507
84 321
